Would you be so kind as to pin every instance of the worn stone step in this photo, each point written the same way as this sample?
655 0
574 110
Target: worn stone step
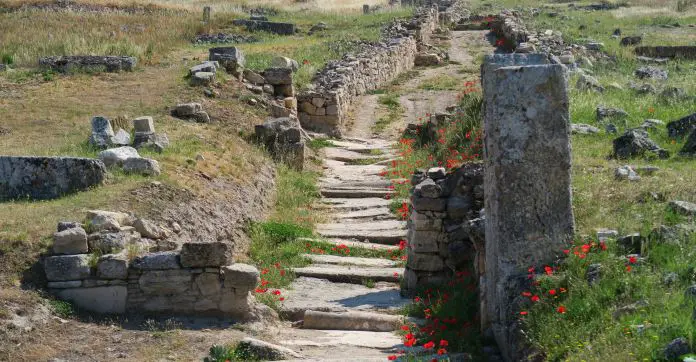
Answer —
355 193
385 225
375 342
353 244
381 213
344 155
351 321
388 237
302 295
378 183
351 261
347 204
350 274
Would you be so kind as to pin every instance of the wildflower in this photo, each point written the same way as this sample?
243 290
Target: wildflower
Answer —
429 345
282 272
444 343
410 342
409 336
524 312
552 292
396 274
548 270
526 294
281 299
441 351
276 292
585 248
566 251
264 282
535 298
404 328
628 268
416 299
632 259
561 309
392 358
402 244
603 245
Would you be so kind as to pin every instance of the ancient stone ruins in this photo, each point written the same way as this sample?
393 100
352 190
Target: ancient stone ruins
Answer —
495 217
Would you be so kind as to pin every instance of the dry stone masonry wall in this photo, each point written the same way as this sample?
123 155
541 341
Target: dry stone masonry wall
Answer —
104 270
445 229
324 108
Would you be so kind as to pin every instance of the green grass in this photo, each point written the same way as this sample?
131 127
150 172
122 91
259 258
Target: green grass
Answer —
440 83
61 308
391 104
319 143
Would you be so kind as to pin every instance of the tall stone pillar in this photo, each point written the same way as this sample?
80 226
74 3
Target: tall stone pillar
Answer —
206 14
528 208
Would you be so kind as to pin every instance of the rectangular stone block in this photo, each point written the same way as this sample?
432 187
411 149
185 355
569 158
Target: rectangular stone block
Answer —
424 241
113 266
527 162
105 300
144 124
422 222
70 241
64 285
164 282
425 262
240 276
205 254
428 204
67 267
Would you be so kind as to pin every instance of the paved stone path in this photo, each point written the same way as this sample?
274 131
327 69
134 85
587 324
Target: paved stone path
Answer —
349 306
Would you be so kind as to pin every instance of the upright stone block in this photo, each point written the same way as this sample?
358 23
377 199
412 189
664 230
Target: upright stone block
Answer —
528 207
206 14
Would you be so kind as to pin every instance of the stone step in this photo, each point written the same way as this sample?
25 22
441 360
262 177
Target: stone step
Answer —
355 193
353 244
351 260
343 155
378 183
381 213
302 295
388 237
385 225
347 204
375 342
351 321
350 274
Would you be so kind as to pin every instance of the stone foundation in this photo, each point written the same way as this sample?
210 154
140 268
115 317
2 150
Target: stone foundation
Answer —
683 52
67 63
43 178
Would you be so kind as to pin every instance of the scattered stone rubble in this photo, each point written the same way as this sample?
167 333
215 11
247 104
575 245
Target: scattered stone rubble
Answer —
191 112
283 138
637 143
222 38
114 263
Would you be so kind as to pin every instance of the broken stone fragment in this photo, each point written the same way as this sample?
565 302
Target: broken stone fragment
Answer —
142 166
116 156
67 267
206 254
70 241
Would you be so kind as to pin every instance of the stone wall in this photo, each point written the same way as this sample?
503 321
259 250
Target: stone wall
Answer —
70 63
42 178
109 270
324 108
445 229
269 26
508 25
683 52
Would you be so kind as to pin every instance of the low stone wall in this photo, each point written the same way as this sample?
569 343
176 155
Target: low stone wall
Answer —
105 271
269 26
324 108
445 229
684 52
42 178
69 63
509 26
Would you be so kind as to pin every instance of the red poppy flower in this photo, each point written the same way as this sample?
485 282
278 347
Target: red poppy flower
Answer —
552 292
561 309
281 299
628 268
632 259
404 328
535 298
444 343
441 351
524 312
548 270
563 290
429 345
392 358
276 292
526 294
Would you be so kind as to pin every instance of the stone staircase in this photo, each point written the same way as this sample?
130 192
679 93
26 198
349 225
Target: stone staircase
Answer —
350 304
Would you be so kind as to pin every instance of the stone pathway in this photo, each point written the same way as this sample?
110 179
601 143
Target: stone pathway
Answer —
349 306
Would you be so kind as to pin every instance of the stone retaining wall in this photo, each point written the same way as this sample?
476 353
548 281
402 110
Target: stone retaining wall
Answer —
509 26
43 178
445 229
70 63
335 88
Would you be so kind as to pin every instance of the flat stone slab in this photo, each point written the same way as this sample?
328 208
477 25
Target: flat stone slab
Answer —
355 193
389 237
351 321
350 274
373 213
333 338
351 260
354 244
380 183
344 155
391 225
347 204
339 297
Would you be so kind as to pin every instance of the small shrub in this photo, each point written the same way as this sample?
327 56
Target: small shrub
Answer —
219 353
283 232
319 143
61 308
7 59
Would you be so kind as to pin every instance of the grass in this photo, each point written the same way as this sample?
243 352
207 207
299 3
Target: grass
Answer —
440 83
391 104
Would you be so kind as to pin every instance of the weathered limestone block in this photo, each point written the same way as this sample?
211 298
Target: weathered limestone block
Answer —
70 241
43 178
164 282
423 222
278 76
231 58
425 262
106 299
157 261
71 63
116 156
205 254
253 77
528 207
67 267
240 276
148 229
141 166
424 241
113 266
208 284
285 62
106 220
144 124
112 242
427 204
